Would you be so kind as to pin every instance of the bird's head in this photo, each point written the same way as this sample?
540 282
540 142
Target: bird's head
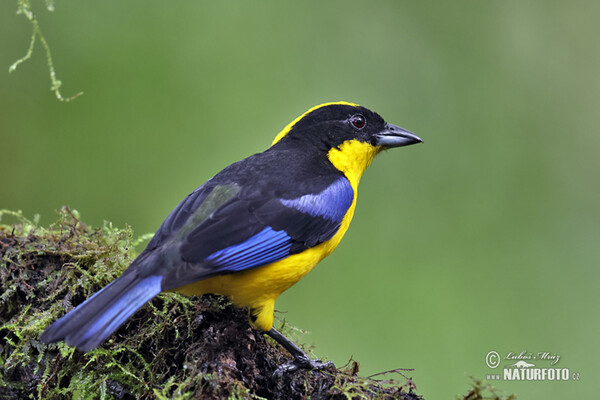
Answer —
349 134
330 125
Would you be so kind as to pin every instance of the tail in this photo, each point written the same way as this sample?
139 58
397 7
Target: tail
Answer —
94 320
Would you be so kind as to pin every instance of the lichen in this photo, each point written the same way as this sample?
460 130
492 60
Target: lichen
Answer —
24 8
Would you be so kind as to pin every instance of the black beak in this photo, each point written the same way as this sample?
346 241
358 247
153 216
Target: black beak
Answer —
394 136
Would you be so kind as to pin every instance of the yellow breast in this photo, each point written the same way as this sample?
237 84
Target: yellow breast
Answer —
258 288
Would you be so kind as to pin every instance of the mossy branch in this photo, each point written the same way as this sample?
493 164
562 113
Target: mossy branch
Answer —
24 7
173 348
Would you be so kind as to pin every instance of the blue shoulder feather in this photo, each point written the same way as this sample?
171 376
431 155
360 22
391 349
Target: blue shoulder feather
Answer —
331 204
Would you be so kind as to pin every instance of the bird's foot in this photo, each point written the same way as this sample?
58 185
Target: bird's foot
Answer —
301 360
302 363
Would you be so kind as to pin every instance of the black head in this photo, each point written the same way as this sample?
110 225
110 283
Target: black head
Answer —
329 125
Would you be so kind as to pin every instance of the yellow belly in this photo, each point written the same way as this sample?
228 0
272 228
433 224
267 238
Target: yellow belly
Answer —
258 288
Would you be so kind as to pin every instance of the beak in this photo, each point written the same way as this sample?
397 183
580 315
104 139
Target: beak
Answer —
394 136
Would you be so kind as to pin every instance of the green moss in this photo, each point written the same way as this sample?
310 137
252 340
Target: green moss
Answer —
173 348
481 390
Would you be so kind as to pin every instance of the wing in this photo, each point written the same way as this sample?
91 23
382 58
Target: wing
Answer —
191 211
225 228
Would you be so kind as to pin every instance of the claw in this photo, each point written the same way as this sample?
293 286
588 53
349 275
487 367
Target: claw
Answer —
301 360
297 364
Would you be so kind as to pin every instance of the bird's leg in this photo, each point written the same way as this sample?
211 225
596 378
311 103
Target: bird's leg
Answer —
301 360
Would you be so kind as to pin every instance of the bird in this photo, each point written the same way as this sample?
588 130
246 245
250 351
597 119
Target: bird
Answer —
253 230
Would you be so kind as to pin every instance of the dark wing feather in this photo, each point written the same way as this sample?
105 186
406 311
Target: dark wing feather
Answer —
179 215
233 229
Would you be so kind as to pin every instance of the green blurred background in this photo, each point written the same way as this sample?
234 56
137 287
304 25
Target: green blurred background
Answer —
483 238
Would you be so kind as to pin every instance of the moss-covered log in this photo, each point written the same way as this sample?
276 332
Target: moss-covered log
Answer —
173 348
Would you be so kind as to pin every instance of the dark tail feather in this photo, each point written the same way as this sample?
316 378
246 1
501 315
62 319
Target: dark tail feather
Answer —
94 320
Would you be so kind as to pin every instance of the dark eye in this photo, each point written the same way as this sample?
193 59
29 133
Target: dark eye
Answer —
358 121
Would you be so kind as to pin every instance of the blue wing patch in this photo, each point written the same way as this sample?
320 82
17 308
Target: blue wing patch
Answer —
265 247
331 204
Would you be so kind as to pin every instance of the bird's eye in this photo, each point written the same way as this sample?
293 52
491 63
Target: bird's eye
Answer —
358 121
